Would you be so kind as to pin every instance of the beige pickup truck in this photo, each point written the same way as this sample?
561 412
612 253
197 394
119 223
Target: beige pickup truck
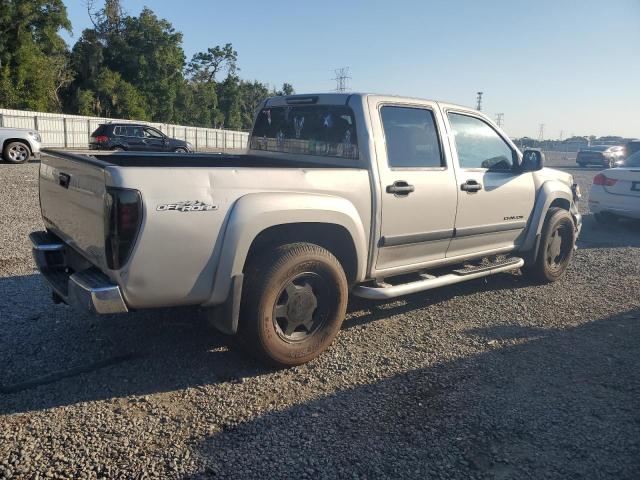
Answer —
337 194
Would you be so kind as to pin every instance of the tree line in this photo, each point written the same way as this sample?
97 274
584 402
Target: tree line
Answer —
124 66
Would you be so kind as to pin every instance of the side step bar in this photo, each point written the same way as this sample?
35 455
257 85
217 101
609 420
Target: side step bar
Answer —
461 275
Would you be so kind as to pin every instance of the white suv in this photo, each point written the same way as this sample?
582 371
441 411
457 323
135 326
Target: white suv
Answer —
19 144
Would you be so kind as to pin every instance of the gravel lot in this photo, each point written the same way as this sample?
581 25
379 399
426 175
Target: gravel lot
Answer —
496 378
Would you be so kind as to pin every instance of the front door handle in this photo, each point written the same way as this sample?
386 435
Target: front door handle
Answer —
400 188
471 186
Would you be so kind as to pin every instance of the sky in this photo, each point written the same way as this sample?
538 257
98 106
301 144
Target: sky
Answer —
572 65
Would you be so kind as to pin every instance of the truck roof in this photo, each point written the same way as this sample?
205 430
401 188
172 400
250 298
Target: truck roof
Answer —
343 98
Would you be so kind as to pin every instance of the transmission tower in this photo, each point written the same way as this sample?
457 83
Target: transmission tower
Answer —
499 117
479 101
541 132
342 75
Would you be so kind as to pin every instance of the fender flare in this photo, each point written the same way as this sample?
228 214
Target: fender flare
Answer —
551 190
255 212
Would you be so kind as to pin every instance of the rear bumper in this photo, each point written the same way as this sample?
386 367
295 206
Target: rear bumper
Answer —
89 289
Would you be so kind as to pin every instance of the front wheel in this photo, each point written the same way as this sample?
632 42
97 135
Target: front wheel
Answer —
16 152
293 304
556 247
181 150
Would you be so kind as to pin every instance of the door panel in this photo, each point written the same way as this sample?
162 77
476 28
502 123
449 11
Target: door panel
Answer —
418 188
495 199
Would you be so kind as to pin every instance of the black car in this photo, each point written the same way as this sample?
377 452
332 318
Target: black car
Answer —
602 155
132 136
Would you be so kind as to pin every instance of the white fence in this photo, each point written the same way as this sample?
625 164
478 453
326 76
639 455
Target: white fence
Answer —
73 131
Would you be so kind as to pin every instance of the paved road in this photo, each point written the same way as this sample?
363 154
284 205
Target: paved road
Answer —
495 378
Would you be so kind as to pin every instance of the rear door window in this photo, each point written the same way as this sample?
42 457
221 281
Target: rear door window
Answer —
325 130
411 137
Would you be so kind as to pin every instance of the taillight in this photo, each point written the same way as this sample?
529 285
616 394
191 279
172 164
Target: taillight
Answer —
102 139
601 179
123 216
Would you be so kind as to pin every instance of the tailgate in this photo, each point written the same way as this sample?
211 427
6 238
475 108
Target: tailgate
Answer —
72 200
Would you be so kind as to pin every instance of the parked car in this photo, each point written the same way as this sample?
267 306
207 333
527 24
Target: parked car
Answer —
601 155
616 192
380 196
19 144
135 137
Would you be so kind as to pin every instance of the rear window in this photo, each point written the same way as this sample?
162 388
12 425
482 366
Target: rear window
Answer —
101 130
325 130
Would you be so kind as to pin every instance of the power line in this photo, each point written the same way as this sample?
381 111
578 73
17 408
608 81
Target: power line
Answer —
499 117
342 75
479 101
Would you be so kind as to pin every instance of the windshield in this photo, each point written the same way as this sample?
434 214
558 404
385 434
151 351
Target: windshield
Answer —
326 130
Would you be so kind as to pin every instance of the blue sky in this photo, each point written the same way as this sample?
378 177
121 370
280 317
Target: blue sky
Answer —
572 65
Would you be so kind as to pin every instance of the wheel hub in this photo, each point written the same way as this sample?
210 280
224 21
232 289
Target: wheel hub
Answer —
299 312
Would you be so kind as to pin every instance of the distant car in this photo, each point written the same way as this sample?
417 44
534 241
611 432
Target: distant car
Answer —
19 144
616 192
135 137
602 155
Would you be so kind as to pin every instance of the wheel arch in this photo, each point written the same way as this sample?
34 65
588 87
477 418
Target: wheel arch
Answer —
552 193
268 219
21 140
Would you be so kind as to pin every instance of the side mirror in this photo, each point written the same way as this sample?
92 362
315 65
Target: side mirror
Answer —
532 160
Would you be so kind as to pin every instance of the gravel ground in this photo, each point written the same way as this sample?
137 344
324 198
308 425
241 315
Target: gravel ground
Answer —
495 378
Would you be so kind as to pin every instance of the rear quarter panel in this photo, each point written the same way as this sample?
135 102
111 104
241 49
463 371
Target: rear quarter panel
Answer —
176 255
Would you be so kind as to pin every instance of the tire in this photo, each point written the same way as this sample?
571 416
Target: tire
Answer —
293 304
181 150
16 152
582 164
556 247
117 149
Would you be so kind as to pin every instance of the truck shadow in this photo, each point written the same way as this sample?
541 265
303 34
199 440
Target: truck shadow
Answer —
549 403
52 355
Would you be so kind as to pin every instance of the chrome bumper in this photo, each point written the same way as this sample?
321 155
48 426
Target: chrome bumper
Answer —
90 289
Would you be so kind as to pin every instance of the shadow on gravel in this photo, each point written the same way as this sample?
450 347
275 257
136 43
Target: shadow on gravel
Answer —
51 355
72 357
561 404
621 233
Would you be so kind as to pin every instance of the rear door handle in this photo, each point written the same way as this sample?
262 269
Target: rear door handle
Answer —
400 188
471 186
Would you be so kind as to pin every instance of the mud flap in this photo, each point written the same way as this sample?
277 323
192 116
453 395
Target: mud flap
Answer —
225 317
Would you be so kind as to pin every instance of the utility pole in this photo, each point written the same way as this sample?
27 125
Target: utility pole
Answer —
499 117
541 133
342 75
479 101
561 134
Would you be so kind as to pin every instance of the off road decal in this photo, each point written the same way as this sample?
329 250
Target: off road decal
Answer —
186 206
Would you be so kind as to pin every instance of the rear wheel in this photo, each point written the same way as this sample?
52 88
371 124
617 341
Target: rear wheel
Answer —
293 304
16 152
556 247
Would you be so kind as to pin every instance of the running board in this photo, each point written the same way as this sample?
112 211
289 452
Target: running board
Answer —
461 275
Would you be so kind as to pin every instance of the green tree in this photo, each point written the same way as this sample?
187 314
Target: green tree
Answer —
34 64
147 53
118 98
